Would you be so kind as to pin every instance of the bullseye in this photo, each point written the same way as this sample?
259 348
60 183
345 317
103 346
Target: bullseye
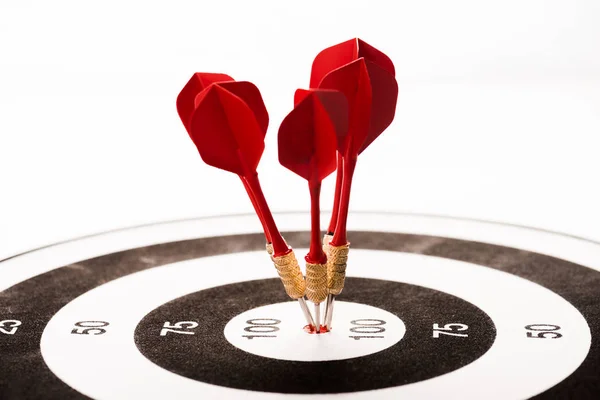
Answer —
361 330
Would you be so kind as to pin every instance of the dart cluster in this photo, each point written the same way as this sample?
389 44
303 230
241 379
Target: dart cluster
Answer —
350 102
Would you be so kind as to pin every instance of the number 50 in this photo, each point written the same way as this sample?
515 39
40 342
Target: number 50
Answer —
543 331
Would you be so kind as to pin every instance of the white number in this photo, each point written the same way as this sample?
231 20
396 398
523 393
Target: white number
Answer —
453 328
178 327
11 325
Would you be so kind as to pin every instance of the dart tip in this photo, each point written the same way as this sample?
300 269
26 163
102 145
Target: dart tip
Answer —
312 330
306 312
318 317
329 311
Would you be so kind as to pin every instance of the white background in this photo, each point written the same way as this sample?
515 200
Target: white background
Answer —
498 115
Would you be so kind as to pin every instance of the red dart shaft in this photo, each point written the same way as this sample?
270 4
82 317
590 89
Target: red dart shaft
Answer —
340 237
315 254
279 246
256 209
338 192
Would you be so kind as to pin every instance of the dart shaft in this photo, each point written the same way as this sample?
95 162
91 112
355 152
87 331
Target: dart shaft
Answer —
338 191
279 245
256 208
315 254
339 236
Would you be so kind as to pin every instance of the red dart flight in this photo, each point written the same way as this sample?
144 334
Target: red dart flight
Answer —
367 77
308 139
227 121
189 98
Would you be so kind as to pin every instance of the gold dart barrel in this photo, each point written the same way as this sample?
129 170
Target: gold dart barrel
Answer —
336 267
326 240
290 274
316 282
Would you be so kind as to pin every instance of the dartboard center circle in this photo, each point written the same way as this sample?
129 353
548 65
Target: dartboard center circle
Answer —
275 331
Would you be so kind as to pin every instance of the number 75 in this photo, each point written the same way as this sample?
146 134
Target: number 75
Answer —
453 328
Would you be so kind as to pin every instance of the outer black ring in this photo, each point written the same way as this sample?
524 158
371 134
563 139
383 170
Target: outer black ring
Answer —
359 212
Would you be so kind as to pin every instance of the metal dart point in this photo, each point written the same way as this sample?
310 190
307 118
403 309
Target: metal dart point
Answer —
318 317
329 310
306 311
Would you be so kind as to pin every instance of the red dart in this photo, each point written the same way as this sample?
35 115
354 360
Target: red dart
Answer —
308 139
187 102
229 135
228 126
326 61
366 76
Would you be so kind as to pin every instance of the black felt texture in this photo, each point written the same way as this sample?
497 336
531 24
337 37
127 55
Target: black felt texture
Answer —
24 374
207 356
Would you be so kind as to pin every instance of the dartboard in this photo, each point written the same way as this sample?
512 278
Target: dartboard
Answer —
434 307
